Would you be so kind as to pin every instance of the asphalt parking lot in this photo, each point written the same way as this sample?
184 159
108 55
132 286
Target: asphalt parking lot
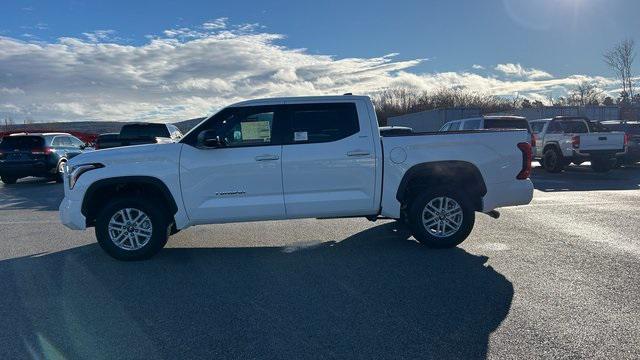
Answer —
558 278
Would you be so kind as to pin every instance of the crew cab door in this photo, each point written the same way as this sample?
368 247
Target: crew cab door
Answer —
241 180
328 160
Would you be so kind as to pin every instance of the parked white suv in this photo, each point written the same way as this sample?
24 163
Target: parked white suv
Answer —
288 158
492 122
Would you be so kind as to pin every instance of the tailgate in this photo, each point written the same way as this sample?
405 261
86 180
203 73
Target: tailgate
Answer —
602 141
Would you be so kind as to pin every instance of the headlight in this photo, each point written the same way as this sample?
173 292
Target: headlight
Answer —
73 173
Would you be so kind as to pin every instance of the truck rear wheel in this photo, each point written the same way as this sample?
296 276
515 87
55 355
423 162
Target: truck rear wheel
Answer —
441 218
553 160
601 165
132 228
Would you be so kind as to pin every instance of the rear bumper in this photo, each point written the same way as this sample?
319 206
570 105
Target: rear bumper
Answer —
512 193
602 153
35 168
71 214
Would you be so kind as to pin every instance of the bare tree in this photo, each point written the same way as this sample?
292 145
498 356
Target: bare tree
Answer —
537 104
7 121
400 101
585 93
620 59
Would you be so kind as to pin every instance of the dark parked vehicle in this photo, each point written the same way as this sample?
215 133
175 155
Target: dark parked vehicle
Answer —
108 140
395 130
632 131
41 155
146 133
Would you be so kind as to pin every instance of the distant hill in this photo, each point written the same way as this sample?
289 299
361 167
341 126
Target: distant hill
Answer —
91 127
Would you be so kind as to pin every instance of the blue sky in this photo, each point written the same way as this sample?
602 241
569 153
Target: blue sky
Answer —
506 47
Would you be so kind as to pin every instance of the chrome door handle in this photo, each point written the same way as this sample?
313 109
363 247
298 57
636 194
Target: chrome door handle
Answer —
267 157
358 153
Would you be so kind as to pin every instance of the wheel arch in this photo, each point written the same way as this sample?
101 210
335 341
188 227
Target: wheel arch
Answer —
463 175
105 189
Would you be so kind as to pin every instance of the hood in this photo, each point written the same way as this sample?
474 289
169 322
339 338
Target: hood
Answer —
125 154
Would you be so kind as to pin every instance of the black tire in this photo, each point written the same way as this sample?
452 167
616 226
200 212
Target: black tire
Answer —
9 180
553 160
160 227
541 162
601 165
426 235
173 230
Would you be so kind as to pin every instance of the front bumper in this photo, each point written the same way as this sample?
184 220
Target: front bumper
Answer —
71 214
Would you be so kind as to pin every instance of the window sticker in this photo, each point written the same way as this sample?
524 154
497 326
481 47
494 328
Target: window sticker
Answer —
256 130
300 136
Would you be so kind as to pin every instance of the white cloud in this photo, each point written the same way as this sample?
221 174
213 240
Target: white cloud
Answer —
217 24
516 70
187 73
101 36
477 67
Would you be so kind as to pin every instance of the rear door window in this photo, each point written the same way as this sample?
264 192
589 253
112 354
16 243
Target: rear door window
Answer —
21 142
573 127
62 141
317 123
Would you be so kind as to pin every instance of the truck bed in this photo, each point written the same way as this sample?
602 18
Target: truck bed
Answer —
494 153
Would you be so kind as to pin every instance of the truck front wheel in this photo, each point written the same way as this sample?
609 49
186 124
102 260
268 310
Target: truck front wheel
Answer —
132 228
441 218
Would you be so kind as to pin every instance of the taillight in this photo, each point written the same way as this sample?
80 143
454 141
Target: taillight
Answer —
533 140
627 137
575 141
526 161
41 151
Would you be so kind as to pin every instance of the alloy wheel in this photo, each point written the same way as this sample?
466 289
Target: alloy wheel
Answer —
442 217
130 229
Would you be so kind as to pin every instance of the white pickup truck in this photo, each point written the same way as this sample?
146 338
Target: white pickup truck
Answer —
563 140
286 158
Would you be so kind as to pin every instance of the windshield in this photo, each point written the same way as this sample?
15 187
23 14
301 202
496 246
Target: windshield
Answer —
144 130
506 124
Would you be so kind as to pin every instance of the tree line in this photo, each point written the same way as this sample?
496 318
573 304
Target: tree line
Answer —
620 59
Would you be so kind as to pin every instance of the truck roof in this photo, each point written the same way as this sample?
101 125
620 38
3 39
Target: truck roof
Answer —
280 100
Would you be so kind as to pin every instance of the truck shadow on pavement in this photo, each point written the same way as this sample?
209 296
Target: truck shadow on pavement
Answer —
375 294
582 178
31 194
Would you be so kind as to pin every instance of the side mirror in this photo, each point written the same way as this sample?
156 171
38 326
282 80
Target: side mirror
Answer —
209 139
